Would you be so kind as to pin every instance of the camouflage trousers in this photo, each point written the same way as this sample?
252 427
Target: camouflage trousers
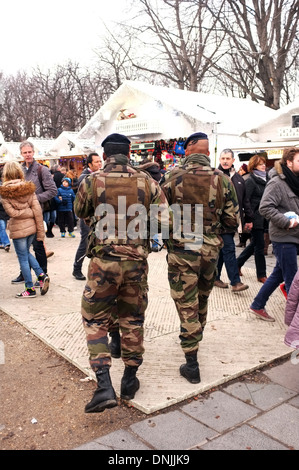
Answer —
191 278
115 290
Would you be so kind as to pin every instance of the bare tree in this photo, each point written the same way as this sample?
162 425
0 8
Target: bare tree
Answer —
261 36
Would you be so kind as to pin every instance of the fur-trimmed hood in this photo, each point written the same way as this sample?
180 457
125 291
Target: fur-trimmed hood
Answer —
276 170
16 189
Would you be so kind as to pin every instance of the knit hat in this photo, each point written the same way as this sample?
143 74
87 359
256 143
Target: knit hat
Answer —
196 136
68 180
244 167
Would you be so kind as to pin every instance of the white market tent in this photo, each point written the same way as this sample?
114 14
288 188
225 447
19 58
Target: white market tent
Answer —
166 113
273 135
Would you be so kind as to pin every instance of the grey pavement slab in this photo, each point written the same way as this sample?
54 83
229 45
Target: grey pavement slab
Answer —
263 396
244 438
282 423
122 440
287 374
172 431
220 411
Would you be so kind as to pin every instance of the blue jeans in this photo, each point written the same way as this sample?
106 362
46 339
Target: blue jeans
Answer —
4 240
26 259
49 216
284 271
256 247
227 256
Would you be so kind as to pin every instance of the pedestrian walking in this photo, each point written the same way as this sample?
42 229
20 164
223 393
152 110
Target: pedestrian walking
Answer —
227 255
117 273
26 222
255 187
281 197
192 258
45 189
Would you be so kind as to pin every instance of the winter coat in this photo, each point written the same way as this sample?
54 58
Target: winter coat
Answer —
292 314
255 187
21 204
277 199
47 189
152 168
68 197
246 214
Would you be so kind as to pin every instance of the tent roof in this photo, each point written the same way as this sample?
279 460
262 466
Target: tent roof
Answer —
232 115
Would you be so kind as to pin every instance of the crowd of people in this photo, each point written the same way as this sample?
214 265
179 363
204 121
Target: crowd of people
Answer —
257 204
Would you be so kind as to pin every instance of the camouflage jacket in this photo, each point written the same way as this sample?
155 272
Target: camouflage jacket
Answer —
120 204
208 196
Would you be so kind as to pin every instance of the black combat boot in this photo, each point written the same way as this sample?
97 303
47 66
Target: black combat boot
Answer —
129 383
114 344
104 396
190 370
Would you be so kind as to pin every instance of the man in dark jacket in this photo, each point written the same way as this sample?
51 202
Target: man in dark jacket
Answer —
228 252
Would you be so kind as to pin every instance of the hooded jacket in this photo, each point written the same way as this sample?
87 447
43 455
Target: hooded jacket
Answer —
21 204
292 314
277 199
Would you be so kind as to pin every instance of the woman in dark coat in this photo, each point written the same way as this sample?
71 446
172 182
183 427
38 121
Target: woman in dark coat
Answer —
255 186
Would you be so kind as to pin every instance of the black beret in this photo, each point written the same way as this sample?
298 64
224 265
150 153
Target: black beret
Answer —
196 136
116 139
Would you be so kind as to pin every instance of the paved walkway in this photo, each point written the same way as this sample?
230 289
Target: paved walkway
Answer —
235 343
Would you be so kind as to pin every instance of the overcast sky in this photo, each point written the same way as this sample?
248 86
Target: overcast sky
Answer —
51 32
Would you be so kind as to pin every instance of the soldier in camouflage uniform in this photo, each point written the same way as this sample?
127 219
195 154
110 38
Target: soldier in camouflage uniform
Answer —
117 274
192 262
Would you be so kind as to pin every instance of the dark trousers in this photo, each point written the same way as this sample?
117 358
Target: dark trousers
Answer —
65 219
256 247
81 251
40 254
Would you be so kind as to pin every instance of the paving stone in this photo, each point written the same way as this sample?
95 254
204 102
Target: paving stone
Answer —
173 430
295 401
122 440
220 411
263 396
286 374
243 438
280 423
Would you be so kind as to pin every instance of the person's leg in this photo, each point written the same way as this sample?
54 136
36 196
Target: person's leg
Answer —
229 257
81 251
259 256
287 255
40 254
22 246
69 221
96 315
3 234
246 253
219 266
273 281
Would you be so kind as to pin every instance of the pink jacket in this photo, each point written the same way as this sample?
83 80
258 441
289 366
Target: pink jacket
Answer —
292 314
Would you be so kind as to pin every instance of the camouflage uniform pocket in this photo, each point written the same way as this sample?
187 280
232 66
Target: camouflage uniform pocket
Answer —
176 285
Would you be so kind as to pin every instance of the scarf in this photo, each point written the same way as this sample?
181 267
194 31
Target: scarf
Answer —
229 172
260 174
291 179
200 158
